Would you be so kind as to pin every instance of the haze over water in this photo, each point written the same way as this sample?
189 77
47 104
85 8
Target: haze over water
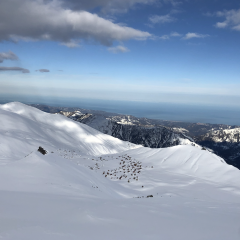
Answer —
163 111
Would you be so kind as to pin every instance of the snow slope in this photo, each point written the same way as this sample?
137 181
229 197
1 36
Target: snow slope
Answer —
24 128
93 186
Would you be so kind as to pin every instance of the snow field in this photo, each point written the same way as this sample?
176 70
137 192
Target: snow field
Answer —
93 186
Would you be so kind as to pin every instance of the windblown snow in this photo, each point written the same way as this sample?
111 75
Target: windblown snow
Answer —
93 186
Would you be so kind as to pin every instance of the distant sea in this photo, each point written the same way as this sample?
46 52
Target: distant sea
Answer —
164 111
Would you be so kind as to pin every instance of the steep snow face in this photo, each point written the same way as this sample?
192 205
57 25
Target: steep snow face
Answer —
24 128
129 128
93 186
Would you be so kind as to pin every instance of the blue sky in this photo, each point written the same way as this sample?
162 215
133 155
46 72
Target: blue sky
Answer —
140 50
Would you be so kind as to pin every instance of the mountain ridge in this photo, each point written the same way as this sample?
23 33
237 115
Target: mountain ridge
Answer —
131 130
194 132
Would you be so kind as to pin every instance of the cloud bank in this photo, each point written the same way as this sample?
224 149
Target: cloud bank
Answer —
49 20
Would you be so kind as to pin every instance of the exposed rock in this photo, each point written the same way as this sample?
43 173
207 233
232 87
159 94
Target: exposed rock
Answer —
42 151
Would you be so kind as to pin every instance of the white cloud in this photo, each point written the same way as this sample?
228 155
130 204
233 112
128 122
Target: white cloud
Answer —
164 37
232 19
7 56
194 35
221 24
161 19
118 49
175 34
49 20
179 35
168 36
71 44
237 28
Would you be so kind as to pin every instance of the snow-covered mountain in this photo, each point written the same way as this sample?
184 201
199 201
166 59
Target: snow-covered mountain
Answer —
132 129
225 143
222 139
93 186
153 132
223 135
